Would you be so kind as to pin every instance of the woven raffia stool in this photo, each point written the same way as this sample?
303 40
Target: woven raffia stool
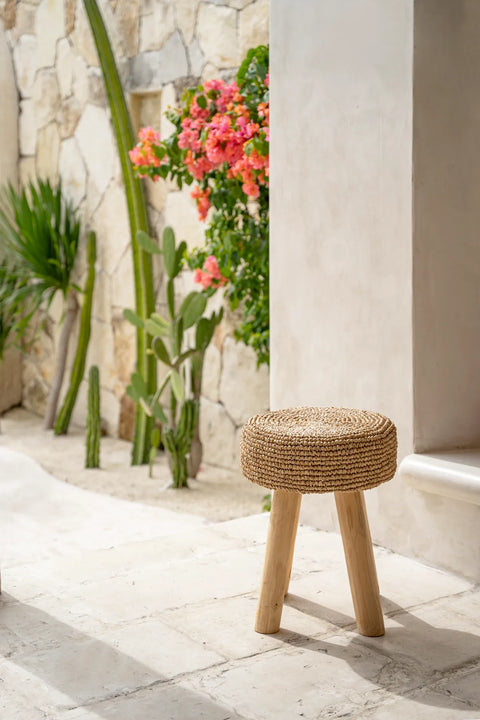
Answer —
318 450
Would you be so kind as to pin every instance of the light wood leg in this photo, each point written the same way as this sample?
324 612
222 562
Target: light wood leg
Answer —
362 572
278 558
292 545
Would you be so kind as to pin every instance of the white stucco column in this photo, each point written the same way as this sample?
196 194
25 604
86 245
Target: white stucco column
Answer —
375 227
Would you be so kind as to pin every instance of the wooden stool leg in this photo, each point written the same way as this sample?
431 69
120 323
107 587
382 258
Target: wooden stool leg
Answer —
292 545
362 573
278 558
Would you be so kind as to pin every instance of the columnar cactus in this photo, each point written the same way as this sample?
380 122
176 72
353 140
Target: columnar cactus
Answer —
138 220
93 419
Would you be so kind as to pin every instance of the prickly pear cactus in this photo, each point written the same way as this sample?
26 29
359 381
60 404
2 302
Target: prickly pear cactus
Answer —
93 419
177 442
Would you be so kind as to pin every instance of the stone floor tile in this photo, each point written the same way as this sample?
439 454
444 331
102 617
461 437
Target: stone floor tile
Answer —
148 592
317 551
23 696
421 583
163 649
62 517
465 685
253 527
226 626
84 671
430 640
326 593
162 702
58 574
297 682
468 605
420 705
322 594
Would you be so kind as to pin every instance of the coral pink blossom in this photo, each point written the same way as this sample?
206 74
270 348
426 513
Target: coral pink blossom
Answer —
149 135
222 136
203 203
211 266
210 276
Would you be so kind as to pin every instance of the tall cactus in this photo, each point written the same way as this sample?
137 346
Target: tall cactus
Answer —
93 419
78 367
138 218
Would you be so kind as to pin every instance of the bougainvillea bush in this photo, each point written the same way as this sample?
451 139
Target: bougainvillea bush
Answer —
221 146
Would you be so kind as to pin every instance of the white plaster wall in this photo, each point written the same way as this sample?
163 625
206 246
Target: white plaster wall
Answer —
341 271
446 274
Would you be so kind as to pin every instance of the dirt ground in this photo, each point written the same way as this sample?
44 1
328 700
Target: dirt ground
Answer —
217 494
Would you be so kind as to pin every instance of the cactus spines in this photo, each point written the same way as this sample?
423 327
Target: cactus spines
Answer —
93 419
78 367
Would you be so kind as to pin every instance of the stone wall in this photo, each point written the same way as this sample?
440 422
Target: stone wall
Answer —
161 47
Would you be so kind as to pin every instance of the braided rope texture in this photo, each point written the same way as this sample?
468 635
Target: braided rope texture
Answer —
318 450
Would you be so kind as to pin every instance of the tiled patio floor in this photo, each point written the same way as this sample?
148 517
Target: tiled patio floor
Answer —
119 610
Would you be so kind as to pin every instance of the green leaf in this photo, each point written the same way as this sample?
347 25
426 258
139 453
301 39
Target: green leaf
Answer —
178 335
177 385
159 414
202 101
171 298
155 328
204 334
131 392
138 384
160 320
160 350
132 317
192 308
179 256
169 257
146 242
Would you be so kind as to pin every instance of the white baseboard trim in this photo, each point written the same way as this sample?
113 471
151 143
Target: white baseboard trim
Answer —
452 473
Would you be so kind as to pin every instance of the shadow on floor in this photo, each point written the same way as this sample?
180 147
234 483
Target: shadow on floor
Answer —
417 654
78 670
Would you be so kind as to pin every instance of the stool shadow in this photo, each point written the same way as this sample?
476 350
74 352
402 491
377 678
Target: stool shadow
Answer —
417 654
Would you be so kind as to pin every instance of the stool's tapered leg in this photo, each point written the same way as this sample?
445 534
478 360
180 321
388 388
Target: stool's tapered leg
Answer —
292 545
362 573
278 558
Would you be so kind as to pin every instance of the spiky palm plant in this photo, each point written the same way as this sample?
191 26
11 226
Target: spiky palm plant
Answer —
39 230
14 305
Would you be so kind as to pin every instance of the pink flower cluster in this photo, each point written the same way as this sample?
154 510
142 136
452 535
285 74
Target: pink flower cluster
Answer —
222 133
143 154
210 276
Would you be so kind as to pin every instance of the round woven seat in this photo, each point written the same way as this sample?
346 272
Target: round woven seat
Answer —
318 450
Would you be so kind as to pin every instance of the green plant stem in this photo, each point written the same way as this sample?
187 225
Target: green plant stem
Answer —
93 419
78 367
71 310
138 218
